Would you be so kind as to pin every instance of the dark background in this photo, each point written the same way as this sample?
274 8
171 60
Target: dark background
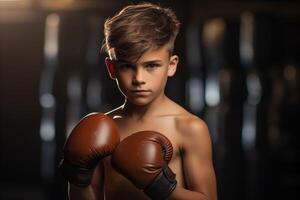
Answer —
238 70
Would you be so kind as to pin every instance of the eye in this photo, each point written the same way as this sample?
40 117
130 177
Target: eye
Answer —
152 65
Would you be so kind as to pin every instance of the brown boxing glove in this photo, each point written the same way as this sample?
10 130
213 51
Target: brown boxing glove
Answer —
93 138
143 158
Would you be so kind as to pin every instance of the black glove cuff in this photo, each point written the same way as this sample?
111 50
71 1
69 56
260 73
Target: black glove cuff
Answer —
162 186
80 177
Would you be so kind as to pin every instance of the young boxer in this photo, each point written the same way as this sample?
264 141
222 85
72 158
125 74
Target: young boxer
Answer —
149 147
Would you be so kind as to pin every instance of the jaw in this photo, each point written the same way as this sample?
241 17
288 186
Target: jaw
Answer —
138 104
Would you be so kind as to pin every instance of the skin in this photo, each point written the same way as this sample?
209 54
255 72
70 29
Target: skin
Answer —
148 108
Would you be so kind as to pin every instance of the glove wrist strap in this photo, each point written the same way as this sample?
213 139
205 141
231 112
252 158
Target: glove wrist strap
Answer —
162 186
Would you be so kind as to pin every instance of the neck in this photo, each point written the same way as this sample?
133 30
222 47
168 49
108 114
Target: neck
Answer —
139 112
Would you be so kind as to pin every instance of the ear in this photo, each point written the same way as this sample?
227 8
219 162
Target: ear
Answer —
173 65
110 68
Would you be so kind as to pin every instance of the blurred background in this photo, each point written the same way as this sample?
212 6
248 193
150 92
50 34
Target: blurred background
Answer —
239 71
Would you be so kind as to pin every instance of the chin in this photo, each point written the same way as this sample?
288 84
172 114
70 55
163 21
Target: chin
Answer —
140 101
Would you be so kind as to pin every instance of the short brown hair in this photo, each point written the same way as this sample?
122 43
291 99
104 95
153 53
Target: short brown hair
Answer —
138 28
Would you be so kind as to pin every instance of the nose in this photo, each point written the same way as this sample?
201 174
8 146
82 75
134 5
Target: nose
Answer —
138 77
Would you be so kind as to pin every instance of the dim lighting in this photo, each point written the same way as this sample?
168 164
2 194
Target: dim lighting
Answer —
47 100
47 131
195 94
51 37
290 72
212 92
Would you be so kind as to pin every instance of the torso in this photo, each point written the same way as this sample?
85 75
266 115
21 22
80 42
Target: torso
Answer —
118 187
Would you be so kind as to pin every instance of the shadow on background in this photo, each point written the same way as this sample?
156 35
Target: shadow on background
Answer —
239 71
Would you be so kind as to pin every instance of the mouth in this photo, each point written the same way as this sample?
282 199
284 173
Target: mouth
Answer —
140 91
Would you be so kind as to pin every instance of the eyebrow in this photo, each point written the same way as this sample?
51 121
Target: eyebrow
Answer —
151 61
122 62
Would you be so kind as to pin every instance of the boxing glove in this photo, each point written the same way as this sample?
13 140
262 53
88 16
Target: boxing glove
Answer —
143 158
93 138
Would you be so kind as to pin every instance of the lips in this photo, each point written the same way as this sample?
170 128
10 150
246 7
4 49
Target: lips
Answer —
140 92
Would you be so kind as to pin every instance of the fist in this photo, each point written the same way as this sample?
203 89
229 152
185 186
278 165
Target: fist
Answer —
143 158
93 138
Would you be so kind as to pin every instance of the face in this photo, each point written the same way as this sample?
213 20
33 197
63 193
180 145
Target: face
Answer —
145 80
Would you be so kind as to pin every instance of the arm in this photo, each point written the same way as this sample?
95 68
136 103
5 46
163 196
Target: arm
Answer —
197 164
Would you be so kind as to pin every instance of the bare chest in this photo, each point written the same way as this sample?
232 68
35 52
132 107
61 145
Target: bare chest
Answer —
116 184
165 126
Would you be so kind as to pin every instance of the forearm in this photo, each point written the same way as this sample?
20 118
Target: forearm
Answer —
183 194
85 193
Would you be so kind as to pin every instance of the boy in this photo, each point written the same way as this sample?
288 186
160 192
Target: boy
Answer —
139 41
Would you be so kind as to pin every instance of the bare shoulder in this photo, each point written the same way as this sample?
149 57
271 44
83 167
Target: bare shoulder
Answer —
191 124
188 123
192 129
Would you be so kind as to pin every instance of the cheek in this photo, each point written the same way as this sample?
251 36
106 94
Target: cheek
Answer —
123 82
123 86
123 78
160 80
